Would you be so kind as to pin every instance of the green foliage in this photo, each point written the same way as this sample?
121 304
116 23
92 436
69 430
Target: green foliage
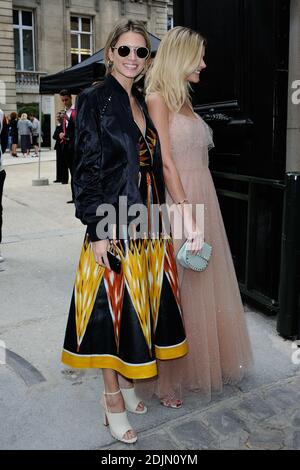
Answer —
29 108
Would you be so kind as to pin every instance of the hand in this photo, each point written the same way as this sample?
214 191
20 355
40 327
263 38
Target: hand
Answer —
193 233
100 252
195 237
195 241
62 135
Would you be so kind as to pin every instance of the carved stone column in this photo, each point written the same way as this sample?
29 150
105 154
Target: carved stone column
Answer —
7 58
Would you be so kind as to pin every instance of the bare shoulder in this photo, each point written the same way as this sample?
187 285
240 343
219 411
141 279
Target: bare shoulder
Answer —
156 102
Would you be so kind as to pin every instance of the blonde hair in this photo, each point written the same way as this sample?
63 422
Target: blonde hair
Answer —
124 26
24 116
178 56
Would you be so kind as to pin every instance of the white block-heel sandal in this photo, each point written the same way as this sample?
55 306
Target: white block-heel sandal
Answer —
117 422
132 401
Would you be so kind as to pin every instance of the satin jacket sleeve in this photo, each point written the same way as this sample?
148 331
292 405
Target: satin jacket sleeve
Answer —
87 184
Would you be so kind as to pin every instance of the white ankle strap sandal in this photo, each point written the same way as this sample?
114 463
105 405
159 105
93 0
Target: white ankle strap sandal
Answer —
132 401
117 422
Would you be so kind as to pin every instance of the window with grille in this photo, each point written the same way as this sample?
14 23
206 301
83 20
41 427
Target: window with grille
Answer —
23 23
81 38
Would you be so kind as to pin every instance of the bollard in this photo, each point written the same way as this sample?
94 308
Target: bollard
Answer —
288 322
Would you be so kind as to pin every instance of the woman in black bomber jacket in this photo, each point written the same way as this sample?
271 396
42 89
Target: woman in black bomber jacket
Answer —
122 322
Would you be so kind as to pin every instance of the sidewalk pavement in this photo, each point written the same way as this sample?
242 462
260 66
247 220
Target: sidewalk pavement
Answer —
45 154
44 405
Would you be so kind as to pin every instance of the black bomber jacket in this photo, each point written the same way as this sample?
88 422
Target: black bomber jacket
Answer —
106 160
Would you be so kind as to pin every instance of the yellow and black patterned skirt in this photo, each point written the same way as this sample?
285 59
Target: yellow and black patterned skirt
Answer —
126 321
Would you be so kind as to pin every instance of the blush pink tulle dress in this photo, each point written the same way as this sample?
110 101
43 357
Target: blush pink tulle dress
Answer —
218 340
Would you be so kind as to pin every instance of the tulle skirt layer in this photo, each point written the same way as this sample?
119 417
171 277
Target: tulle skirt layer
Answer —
218 340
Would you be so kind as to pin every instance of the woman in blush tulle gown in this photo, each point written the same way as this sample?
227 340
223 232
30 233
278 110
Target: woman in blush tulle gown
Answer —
219 346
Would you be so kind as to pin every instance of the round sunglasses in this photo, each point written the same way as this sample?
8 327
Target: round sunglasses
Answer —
141 52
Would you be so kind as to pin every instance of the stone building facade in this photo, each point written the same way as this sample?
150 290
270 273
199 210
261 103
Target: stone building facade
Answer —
7 58
39 37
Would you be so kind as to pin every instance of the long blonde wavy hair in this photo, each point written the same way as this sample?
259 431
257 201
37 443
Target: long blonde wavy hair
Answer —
178 56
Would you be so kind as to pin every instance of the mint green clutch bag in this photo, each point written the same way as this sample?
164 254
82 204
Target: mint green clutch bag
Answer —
196 262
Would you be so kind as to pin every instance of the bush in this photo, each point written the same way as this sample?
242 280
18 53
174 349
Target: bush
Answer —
29 108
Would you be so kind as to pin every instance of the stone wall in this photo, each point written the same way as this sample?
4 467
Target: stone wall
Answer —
53 38
7 59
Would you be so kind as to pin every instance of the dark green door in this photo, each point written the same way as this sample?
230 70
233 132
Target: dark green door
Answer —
243 97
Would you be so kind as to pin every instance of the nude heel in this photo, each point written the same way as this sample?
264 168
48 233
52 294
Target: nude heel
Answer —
132 401
117 422
105 420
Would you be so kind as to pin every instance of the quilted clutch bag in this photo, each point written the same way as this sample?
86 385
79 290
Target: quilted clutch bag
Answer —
196 262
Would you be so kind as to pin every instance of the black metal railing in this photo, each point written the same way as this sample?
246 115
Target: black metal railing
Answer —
252 210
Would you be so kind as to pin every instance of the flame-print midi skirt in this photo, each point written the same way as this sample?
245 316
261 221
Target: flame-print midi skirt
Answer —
126 321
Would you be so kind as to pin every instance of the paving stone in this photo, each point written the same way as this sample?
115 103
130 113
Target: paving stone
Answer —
289 439
257 408
156 443
280 421
296 419
226 421
234 441
296 440
194 435
295 383
266 439
281 398
152 442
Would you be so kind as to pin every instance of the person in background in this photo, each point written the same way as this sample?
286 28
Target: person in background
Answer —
36 127
62 172
9 137
24 128
14 133
67 135
3 145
